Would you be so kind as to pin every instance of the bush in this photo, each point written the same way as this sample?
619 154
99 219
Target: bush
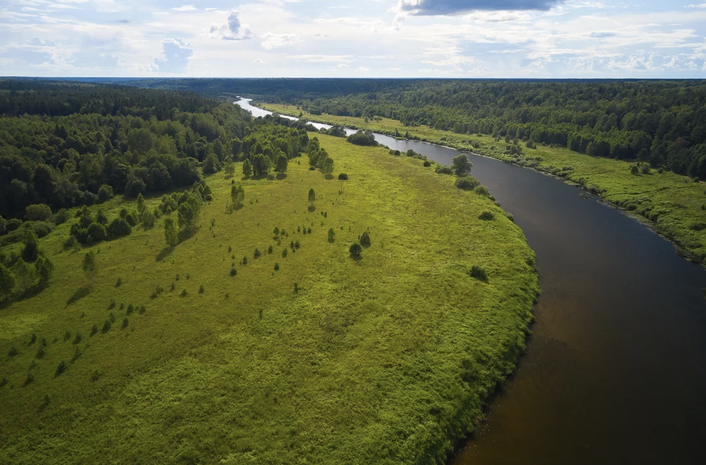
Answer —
184 293
257 253
61 368
119 228
41 228
233 271
343 177
486 216
478 273
355 250
443 169
13 352
365 239
364 138
61 216
37 212
135 187
201 289
427 164
106 326
97 232
276 266
131 219
13 224
105 193
482 190
284 253
467 183
125 322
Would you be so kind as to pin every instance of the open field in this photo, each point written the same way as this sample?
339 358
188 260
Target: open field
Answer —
675 204
386 359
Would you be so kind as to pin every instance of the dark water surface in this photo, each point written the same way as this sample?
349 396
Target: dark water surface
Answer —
615 371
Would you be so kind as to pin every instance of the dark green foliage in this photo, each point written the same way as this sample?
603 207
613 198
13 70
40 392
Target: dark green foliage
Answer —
60 369
269 250
486 216
343 177
126 322
355 250
276 266
634 170
94 330
365 239
106 326
284 253
245 261
33 339
119 228
427 164
184 293
443 169
105 193
257 253
482 190
201 289
13 352
211 164
331 235
37 212
40 353
233 271
461 165
30 379
312 195
67 335
97 232
77 339
365 138
478 273
31 247
296 288
467 183
7 281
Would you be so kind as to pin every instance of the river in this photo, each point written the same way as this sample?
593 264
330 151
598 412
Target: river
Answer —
615 371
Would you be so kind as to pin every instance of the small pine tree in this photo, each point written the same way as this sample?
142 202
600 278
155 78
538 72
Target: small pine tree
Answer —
171 235
365 239
331 235
247 168
140 203
355 250
312 195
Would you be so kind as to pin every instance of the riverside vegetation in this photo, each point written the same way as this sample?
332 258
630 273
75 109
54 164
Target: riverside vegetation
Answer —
674 203
247 316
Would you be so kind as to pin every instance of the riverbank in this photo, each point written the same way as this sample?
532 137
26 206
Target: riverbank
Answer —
671 204
389 357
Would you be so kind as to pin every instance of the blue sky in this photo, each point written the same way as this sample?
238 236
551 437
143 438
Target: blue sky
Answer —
354 38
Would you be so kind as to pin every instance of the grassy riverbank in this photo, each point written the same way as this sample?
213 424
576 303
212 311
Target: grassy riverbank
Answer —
674 204
380 360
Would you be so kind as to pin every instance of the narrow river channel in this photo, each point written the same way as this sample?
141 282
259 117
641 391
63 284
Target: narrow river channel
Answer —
615 371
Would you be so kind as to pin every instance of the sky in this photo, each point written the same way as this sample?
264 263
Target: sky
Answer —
354 38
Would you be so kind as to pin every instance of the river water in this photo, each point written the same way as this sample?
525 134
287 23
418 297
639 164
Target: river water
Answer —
615 370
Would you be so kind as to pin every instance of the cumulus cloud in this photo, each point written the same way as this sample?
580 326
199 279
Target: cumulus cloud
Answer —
279 40
185 8
453 7
232 30
176 56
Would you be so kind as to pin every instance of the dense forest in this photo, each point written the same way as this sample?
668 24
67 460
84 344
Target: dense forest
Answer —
660 122
70 144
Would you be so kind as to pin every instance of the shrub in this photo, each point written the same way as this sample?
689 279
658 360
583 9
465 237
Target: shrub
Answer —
365 239
30 379
184 293
257 253
13 352
67 335
13 224
482 190
467 183
343 177
37 212
233 271
486 216
634 170
61 216
77 339
131 218
427 164
40 353
97 232
96 374
355 250
270 250
245 260
364 138
61 368
94 330
119 227
284 253
276 266
106 326
41 228
478 273
331 236
296 287
125 322
201 289
443 169
105 193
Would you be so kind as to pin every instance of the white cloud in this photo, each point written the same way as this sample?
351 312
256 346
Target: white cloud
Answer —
185 8
176 54
278 40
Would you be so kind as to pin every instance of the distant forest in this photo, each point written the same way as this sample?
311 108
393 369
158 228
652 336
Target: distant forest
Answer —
68 144
660 122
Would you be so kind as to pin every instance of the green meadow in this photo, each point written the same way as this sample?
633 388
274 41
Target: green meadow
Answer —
305 355
674 204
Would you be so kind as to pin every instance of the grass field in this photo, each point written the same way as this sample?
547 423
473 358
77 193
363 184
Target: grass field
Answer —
381 360
674 204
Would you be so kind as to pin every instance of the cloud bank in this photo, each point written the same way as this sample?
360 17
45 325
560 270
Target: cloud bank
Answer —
453 7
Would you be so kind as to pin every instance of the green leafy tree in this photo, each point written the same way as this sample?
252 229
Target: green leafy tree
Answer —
210 164
38 212
365 239
31 248
188 212
171 235
355 250
247 168
331 235
328 166
229 170
140 203
24 274
90 267
282 163
461 165
7 281
312 195
44 269
237 194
